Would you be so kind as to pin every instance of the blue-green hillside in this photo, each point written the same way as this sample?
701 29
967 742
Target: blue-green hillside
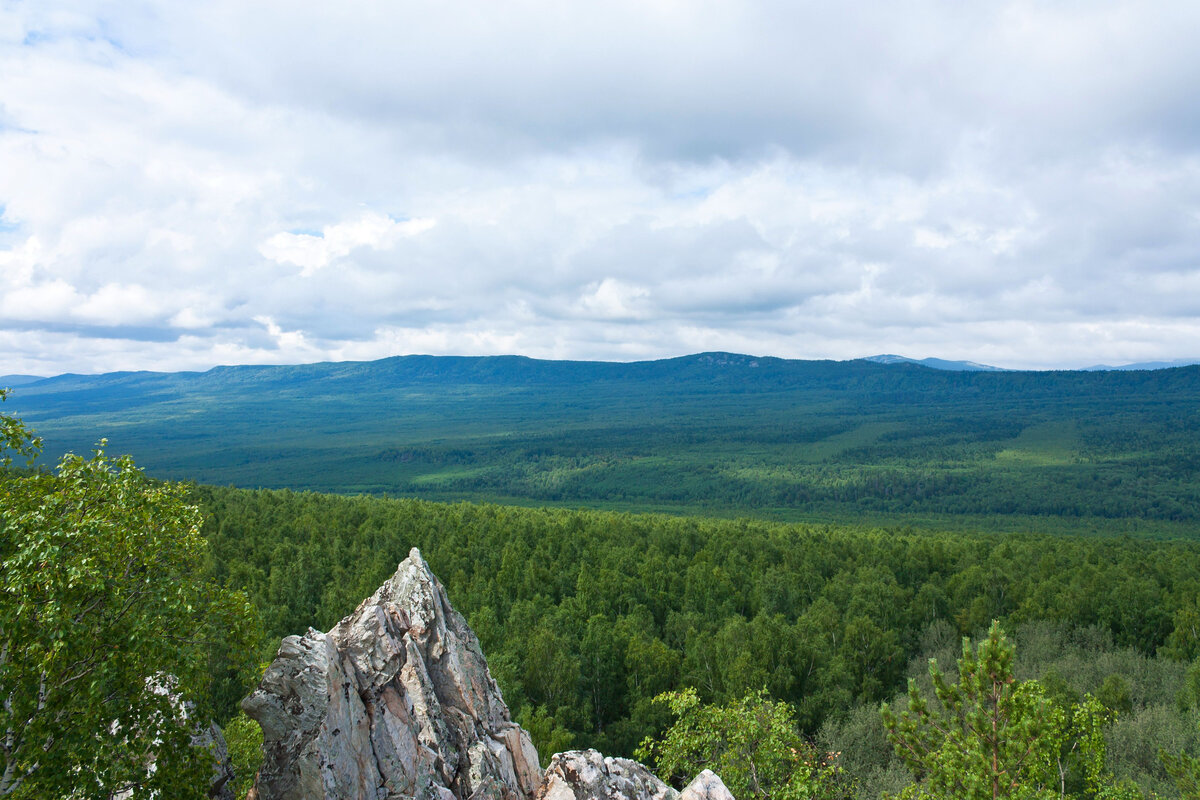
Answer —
714 433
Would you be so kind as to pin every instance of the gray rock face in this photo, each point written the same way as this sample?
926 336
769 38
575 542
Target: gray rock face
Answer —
587 775
395 701
221 786
706 786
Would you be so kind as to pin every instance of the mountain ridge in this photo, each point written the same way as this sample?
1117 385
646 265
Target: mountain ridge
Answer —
708 431
935 363
423 365
1145 365
9 381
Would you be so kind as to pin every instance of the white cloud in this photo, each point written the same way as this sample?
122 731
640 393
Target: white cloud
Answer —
291 345
612 299
48 300
117 304
191 318
312 252
184 185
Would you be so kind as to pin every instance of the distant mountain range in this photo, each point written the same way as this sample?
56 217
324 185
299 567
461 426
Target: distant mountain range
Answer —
711 431
1179 362
971 366
458 362
935 363
8 381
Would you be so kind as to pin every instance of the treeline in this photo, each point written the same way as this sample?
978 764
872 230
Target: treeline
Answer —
586 616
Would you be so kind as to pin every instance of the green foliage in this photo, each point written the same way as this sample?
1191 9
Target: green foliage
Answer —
1084 749
586 616
1114 695
107 630
752 743
1185 771
16 438
1184 642
988 736
1136 741
1101 754
547 733
243 738
1189 695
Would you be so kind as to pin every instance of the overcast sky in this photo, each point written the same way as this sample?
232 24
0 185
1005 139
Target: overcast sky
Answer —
185 184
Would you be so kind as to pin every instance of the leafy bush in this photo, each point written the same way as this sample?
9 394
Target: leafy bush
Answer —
752 744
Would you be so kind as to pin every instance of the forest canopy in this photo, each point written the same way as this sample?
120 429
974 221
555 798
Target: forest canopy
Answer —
586 617
590 618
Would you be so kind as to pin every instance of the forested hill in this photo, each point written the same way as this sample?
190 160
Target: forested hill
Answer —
695 372
714 432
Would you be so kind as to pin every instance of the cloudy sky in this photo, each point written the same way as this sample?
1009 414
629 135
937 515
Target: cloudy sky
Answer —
191 184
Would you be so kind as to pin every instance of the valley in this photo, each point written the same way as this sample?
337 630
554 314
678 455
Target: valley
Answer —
716 434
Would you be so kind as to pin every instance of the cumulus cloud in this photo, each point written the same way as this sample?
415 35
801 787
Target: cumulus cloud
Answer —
311 252
190 184
612 299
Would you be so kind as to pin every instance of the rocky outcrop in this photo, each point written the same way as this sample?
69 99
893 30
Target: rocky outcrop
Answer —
706 786
587 775
395 701
221 785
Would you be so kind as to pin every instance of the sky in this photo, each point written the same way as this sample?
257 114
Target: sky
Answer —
184 185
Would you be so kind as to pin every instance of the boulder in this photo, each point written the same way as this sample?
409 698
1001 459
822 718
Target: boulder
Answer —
706 786
587 775
395 701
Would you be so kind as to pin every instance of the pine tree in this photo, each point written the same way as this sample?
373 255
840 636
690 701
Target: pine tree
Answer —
986 737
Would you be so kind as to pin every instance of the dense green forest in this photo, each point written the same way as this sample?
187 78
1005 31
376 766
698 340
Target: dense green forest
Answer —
716 434
830 526
586 616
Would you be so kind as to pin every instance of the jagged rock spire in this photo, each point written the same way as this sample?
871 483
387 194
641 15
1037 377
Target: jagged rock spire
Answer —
395 701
